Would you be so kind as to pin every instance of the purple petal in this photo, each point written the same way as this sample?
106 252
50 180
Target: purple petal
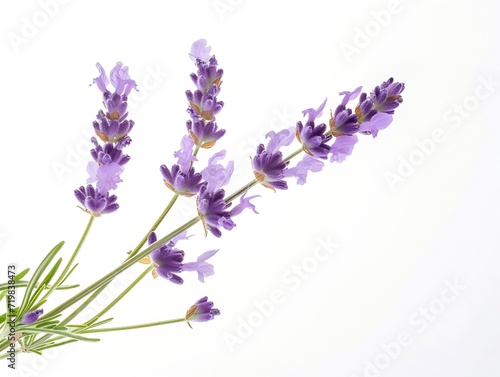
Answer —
215 174
244 203
185 154
300 171
108 176
282 138
313 114
377 122
200 51
204 269
342 147
102 80
349 96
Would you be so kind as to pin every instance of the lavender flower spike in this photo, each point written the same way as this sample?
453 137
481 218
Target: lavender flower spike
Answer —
202 311
31 317
113 126
203 103
182 178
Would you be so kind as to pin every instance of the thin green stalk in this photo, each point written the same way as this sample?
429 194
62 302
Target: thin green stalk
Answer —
132 327
63 276
120 296
132 253
129 262
132 259
155 225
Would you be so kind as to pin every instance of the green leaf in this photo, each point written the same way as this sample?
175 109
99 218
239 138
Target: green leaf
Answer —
67 334
2 294
69 273
51 345
100 323
24 284
44 284
34 297
63 287
36 276
22 274
47 322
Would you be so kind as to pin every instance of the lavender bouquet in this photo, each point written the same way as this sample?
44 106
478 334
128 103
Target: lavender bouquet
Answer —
31 323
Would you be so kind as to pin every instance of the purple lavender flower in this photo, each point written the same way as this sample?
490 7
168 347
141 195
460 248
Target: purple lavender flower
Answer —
203 268
94 202
215 174
203 103
374 111
304 166
343 122
213 212
31 317
311 136
182 178
204 134
342 147
212 208
111 130
200 51
110 153
112 126
202 311
377 122
387 96
107 176
167 260
268 165
120 79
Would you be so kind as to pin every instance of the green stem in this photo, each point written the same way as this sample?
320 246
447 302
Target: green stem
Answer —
63 276
129 262
132 253
113 303
134 326
132 259
155 225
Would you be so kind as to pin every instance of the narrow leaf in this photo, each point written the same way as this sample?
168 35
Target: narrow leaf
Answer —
36 276
22 274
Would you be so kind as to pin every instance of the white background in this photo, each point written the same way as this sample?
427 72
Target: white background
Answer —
396 247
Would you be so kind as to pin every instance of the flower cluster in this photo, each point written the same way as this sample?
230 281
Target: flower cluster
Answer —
168 261
372 114
112 128
203 103
203 132
202 311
